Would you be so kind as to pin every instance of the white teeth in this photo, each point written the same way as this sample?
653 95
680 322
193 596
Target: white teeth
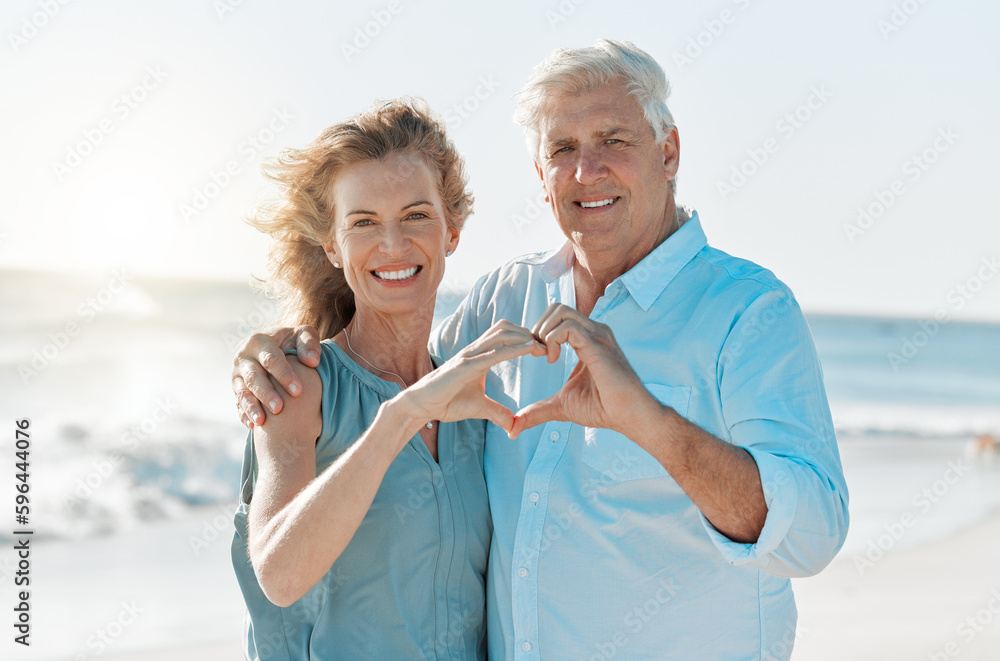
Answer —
397 275
601 203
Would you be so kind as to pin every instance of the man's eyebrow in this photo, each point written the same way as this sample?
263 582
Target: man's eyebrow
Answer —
610 133
558 143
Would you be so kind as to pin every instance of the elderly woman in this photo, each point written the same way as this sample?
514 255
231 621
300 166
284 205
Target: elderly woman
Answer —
364 528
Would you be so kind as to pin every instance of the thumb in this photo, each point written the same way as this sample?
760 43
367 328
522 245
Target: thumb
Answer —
498 414
535 414
307 344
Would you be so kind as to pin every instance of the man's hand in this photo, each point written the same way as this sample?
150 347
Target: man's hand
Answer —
264 354
602 390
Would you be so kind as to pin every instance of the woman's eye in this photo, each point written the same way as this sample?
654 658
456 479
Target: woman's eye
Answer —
417 215
361 223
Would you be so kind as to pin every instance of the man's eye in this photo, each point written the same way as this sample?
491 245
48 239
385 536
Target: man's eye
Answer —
612 141
562 150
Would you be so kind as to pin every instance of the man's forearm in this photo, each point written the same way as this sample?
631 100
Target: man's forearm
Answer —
721 479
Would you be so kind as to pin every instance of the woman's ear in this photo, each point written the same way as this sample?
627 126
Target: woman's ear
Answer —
330 248
451 242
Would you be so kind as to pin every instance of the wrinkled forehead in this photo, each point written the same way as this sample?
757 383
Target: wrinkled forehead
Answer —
386 181
605 108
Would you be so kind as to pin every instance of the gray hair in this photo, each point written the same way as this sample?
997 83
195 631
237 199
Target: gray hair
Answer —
575 71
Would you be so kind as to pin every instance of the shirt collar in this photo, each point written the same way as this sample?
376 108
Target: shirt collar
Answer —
557 263
646 280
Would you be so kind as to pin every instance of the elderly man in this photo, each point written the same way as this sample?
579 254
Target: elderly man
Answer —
673 462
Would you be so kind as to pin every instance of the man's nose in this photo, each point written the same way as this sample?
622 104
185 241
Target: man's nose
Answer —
590 168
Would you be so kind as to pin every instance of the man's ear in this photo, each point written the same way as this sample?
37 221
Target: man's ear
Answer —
541 175
671 154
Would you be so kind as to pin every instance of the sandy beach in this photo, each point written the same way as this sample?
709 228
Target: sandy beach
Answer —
166 590
910 605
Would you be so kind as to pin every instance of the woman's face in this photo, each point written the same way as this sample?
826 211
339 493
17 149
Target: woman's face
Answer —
390 234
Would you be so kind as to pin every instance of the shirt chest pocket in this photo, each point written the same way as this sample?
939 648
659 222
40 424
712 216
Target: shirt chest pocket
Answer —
619 458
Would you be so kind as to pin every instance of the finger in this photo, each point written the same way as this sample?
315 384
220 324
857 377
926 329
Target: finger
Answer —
549 311
259 388
505 332
497 338
499 354
554 315
247 403
535 414
268 351
307 345
276 364
571 331
498 414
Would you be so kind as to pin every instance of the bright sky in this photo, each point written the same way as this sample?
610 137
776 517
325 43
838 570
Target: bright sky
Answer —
118 114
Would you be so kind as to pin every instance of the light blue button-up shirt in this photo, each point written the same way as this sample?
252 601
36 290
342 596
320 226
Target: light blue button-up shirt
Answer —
597 553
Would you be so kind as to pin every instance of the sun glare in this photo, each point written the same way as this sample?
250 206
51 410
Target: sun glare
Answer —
122 220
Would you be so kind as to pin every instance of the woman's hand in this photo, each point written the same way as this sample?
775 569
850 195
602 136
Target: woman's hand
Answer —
457 389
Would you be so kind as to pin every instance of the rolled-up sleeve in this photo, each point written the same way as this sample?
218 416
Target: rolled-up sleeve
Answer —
774 405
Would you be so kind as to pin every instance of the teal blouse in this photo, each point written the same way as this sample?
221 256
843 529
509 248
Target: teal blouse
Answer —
411 583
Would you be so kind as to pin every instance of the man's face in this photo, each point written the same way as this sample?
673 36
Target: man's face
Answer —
606 178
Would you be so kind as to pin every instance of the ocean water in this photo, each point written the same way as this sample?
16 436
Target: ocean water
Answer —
126 384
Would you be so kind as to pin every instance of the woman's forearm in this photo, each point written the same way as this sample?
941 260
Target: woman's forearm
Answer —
294 545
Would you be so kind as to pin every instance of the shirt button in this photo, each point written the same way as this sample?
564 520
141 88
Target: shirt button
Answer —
526 646
554 436
533 497
523 573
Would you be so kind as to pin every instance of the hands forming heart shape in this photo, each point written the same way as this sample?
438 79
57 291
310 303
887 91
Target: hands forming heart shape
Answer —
598 393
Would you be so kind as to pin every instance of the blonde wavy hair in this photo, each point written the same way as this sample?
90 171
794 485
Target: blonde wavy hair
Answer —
310 290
